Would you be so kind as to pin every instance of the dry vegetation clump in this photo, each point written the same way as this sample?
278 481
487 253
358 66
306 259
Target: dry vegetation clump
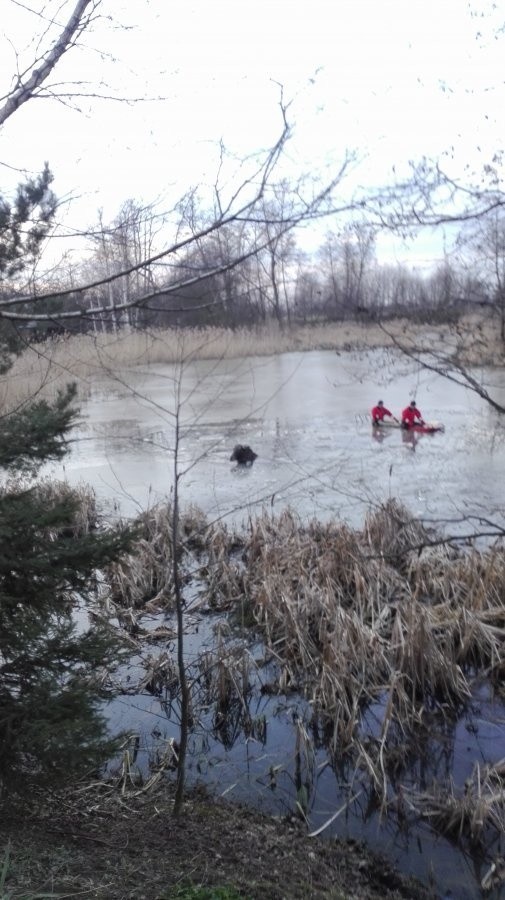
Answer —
353 663
225 678
328 560
422 657
474 579
193 529
224 683
221 567
143 577
87 516
323 603
470 812
142 580
348 616
466 591
383 636
81 500
392 533
358 617
161 677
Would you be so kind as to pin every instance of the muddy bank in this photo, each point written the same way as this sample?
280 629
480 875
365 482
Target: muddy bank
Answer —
103 844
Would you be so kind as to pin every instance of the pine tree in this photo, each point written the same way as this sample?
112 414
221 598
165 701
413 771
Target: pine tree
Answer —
50 720
25 222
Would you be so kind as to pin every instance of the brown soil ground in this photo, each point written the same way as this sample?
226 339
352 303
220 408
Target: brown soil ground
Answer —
94 843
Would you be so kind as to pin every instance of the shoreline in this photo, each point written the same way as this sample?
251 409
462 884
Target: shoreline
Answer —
45 368
111 844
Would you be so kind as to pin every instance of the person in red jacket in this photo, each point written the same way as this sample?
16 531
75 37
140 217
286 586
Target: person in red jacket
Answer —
411 416
379 412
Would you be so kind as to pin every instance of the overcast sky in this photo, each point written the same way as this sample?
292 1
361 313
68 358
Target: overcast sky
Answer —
394 80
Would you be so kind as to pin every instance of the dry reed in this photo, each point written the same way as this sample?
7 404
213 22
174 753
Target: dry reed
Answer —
89 359
143 577
471 812
160 675
81 498
352 619
351 615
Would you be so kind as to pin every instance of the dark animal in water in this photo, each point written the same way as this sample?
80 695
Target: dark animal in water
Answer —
243 455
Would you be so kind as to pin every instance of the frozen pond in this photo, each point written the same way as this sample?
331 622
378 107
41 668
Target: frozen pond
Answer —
306 415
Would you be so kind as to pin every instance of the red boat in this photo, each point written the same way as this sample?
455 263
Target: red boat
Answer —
427 428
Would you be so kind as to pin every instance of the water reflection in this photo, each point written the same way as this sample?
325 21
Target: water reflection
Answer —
307 417
380 434
300 416
410 439
259 746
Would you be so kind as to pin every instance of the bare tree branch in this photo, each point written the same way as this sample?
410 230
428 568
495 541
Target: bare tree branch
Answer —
431 197
448 366
27 88
254 185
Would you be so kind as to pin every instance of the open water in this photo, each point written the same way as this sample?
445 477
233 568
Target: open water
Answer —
306 416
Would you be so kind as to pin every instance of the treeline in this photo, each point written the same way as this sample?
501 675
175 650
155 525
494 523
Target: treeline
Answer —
249 272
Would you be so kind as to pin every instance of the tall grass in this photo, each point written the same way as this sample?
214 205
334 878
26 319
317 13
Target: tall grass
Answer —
43 368
349 615
472 811
384 617
384 630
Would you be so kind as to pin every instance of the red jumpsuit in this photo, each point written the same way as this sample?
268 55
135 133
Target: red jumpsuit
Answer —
411 416
378 413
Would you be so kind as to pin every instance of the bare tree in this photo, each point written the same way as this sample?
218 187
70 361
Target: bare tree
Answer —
241 205
429 199
347 258
482 246
274 263
127 241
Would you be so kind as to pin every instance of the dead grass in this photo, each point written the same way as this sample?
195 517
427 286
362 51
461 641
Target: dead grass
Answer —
351 619
143 578
350 614
470 812
86 515
43 368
